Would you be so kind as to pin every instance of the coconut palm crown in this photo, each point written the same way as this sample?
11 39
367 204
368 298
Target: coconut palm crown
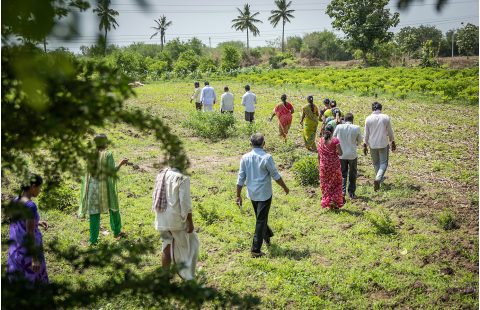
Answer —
245 22
107 20
162 26
283 13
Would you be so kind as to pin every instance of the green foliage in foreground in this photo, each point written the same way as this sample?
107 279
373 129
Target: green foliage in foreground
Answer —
121 263
306 171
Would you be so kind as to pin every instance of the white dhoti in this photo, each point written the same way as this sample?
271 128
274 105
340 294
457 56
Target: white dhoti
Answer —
184 248
207 107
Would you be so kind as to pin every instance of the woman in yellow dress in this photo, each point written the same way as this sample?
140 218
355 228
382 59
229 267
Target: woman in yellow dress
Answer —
309 122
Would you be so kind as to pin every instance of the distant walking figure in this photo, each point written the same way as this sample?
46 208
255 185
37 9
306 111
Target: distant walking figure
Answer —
329 167
226 101
208 97
257 168
378 131
283 111
196 96
249 100
309 123
99 190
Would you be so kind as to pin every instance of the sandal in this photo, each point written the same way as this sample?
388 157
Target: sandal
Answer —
120 235
256 255
267 243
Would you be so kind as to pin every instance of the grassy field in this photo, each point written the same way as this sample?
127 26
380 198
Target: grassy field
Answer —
318 258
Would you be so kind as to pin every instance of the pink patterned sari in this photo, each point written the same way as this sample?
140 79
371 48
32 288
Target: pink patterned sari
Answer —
284 117
330 173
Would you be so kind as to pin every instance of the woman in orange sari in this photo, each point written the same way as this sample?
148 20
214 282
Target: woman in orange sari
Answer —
330 172
283 111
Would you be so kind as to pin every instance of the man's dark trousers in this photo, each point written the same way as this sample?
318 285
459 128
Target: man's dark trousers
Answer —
262 231
349 167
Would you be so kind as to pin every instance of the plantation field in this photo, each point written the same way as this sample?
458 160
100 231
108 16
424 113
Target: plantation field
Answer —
318 258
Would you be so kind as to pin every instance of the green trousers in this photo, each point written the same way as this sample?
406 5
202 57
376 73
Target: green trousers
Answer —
115 224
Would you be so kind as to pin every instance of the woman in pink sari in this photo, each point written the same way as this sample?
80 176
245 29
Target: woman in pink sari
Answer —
283 111
330 172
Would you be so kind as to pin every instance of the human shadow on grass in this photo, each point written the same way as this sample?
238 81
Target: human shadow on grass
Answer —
276 251
350 212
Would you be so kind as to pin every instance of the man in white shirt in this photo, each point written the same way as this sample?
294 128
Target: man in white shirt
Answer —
349 136
208 97
226 101
249 100
196 96
173 219
378 131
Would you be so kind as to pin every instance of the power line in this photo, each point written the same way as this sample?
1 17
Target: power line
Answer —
226 35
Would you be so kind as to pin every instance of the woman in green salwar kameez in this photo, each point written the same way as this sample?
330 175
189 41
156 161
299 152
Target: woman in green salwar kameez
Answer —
99 190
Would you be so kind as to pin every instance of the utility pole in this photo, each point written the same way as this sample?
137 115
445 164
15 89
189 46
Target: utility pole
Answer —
453 35
210 42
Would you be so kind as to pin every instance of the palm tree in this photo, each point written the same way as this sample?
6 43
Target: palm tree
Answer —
245 21
162 26
282 13
107 21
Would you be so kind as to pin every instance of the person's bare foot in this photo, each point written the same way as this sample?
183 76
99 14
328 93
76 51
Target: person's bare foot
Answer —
333 205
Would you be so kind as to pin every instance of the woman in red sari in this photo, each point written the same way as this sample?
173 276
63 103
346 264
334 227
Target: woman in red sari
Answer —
283 111
330 172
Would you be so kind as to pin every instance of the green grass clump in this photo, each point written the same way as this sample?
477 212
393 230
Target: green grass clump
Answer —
447 220
381 221
208 215
211 125
306 171
60 198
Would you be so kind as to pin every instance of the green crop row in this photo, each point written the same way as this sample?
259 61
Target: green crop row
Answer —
398 82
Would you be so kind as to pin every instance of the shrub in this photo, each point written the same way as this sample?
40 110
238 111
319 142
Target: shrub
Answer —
208 215
207 64
447 219
187 61
306 171
212 125
381 221
230 58
60 197
279 60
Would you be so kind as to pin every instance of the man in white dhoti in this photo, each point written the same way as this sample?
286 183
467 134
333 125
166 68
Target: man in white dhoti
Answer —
173 207
208 97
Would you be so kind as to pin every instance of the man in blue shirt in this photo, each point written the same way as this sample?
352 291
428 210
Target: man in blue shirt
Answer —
257 168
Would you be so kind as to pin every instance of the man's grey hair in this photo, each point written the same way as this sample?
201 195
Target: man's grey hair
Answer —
257 140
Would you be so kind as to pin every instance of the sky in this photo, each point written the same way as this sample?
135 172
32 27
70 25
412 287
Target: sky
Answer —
211 19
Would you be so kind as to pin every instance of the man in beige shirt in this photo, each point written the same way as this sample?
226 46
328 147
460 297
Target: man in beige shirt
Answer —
226 102
196 96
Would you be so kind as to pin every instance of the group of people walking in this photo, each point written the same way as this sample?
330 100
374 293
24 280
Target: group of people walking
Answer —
337 157
206 98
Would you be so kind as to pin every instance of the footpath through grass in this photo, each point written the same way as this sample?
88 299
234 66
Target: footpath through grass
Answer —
318 259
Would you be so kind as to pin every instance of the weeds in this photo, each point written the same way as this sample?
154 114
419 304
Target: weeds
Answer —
208 215
306 171
381 221
211 125
447 219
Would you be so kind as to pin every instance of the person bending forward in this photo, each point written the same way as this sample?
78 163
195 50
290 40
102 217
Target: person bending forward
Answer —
257 168
173 219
